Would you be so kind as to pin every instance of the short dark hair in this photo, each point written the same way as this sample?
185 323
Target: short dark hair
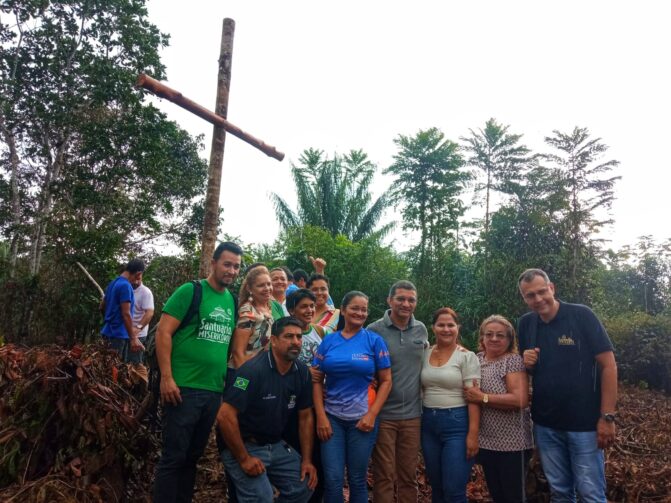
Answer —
300 274
403 284
529 275
280 324
317 277
296 296
134 266
229 246
287 271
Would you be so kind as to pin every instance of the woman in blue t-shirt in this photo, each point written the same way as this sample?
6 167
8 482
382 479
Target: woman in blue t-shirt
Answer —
346 362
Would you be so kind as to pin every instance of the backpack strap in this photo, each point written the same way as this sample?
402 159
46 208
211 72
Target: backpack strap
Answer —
194 307
235 307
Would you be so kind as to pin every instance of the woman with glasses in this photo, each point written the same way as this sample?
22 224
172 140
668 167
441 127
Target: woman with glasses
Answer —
346 363
505 424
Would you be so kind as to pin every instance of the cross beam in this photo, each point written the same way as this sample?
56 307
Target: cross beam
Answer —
163 91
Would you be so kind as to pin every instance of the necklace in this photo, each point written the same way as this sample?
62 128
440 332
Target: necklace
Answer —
440 357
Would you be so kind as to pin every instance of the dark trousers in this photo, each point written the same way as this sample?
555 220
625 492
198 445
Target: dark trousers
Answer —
292 437
186 430
505 473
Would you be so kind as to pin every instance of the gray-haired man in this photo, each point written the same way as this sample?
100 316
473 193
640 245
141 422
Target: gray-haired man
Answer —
571 358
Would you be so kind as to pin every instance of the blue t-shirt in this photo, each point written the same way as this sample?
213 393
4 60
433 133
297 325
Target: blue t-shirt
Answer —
350 365
118 291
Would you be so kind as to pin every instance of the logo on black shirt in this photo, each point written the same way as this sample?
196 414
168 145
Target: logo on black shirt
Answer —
565 341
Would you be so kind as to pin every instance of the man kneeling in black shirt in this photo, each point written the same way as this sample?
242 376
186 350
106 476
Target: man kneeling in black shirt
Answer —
254 413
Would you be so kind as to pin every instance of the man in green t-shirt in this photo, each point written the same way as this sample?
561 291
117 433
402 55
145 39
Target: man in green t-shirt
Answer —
193 362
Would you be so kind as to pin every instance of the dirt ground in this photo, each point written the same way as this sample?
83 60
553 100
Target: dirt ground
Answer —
74 428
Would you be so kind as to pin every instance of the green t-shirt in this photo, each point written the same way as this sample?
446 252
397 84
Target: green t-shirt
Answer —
200 349
276 310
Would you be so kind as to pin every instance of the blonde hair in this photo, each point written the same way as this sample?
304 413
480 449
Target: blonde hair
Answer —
250 279
510 332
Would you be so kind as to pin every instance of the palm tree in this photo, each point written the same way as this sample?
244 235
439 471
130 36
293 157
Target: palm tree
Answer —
334 194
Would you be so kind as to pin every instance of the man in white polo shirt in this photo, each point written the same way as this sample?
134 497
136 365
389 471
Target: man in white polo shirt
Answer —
142 315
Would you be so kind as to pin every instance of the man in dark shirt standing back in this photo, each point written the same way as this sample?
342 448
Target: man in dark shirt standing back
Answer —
254 413
570 356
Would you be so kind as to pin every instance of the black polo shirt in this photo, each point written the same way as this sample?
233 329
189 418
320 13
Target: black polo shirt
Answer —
264 398
566 378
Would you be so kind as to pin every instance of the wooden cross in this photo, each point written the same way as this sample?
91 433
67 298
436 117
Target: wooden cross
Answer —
221 125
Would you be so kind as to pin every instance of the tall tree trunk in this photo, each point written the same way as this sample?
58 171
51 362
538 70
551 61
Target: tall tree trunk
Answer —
211 218
15 205
53 171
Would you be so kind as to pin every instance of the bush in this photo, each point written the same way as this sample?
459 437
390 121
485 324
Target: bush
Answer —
642 348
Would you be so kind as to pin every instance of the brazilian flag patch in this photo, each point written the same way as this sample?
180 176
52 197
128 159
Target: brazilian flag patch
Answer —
241 382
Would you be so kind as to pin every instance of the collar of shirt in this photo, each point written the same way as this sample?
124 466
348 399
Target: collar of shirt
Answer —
271 361
389 323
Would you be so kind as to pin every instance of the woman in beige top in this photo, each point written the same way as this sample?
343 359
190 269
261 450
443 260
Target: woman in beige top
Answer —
449 425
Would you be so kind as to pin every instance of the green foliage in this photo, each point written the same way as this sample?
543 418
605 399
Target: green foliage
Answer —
635 279
97 172
364 265
501 159
334 194
590 192
643 348
427 188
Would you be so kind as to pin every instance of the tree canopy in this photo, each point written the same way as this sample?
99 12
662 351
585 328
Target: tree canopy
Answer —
334 193
88 168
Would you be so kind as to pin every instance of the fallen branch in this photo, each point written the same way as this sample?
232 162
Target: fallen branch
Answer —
102 293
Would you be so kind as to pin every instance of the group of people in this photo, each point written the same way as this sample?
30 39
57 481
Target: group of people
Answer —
308 394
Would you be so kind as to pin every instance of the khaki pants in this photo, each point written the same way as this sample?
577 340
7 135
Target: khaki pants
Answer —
395 459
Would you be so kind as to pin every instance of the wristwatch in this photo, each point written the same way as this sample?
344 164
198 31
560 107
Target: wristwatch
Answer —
485 398
609 417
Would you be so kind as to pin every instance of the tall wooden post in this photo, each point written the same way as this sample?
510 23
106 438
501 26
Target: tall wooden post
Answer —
211 218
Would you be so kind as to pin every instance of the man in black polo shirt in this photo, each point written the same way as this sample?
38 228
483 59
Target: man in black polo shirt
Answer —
254 413
571 358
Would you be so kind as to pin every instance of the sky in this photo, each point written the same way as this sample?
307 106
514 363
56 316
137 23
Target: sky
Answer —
354 75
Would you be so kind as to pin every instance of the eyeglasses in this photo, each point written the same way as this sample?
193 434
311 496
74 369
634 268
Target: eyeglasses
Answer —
494 335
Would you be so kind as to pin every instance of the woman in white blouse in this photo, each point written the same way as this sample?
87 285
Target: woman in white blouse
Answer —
450 426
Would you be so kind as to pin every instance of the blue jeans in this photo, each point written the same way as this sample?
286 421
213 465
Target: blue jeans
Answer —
572 462
283 470
347 447
122 346
186 430
444 446
136 357
119 345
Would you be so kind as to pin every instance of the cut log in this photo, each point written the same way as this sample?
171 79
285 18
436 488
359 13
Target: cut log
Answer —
163 91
